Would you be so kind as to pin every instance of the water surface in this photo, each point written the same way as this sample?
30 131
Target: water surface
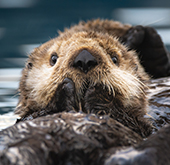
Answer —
9 82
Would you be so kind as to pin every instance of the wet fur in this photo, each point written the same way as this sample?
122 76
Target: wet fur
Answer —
81 138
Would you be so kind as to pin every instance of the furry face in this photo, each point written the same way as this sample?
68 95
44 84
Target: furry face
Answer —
57 79
87 69
122 79
117 72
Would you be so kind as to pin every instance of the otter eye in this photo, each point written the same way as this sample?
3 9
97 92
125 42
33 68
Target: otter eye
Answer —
53 59
115 60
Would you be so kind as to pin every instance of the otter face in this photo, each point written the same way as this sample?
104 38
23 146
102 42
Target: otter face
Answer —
89 59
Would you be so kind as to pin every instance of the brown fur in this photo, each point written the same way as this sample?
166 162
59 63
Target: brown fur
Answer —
124 82
113 28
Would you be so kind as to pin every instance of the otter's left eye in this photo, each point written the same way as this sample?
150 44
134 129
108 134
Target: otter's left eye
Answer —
115 60
53 59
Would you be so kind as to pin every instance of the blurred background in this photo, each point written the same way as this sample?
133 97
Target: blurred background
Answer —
25 24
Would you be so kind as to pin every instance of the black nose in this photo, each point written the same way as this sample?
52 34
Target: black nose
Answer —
85 61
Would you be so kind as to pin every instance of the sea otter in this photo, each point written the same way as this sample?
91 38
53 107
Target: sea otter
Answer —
91 69
86 69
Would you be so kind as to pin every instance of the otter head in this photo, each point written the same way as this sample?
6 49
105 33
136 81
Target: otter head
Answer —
91 60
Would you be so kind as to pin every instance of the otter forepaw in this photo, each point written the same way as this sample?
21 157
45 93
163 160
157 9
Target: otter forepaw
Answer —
96 100
134 37
142 36
68 87
148 43
64 99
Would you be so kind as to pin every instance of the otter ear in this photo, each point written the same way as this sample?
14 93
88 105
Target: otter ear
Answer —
29 65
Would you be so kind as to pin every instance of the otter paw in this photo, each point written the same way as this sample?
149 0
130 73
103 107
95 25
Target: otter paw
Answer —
152 38
140 36
148 43
134 37
133 157
152 51
64 99
67 87
96 100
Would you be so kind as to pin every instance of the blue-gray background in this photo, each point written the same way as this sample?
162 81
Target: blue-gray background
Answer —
25 24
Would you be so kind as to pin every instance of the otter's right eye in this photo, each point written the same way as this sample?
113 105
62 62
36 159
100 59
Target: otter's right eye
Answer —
53 59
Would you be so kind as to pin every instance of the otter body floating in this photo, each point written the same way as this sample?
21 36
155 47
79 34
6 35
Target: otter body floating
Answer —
84 97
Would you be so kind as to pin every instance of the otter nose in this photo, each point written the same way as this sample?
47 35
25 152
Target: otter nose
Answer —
85 61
